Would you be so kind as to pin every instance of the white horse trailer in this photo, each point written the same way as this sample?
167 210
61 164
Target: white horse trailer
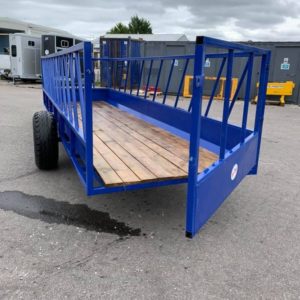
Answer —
4 54
52 43
25 56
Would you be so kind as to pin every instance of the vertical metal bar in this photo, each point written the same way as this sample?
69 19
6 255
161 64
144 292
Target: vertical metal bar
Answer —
215 87
50 76
157 80
247 97
87 59
54 76
64 90
57 89
260 109
113 85
60 84
181 81
228 83
131 73
110 73
93 77
198 81
238 87
121 75
116 75
148 80
73 95
127 74
46 81
140 77
80 92
168 82
67 87
62 76
107 73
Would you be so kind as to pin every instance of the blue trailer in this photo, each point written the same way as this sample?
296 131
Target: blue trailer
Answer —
120 139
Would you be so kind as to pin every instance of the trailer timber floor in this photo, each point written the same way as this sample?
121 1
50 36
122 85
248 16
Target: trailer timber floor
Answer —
129 150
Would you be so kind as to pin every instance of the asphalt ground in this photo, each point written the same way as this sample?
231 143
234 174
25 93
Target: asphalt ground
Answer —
56 243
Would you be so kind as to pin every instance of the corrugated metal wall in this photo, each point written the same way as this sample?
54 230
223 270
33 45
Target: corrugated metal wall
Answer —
280 51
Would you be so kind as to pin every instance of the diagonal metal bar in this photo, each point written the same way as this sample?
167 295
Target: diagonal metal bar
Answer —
247 97
181 82
148 80
215 87
238 87
169 79
140 77
228 84
157 81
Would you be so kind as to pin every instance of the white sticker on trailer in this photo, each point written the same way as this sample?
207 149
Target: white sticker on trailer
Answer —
234 172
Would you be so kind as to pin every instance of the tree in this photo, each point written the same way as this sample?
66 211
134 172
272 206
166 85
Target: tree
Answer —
119 28
136 25
139 25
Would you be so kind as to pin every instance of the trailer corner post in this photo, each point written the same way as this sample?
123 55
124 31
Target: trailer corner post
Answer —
226 105
192 197
87 60
260 109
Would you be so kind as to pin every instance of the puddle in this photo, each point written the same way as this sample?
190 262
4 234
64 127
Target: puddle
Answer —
53 211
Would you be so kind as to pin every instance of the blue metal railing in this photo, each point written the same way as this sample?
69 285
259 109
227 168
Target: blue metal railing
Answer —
63 82
67 82
119 70
234 50
167 63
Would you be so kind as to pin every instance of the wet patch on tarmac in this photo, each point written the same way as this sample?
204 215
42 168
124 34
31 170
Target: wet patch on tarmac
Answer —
53 211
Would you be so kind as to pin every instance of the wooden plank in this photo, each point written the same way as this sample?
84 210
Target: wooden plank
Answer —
108 175
173 144
150 131
180 163
141 171
129 150
126 175
150 159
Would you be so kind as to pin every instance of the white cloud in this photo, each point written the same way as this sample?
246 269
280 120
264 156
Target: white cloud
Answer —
230 19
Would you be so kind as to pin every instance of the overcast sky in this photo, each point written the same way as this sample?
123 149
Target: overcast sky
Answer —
276 20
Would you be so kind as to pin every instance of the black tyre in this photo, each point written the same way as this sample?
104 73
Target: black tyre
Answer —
45 140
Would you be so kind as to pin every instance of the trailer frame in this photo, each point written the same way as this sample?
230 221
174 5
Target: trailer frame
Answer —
68 86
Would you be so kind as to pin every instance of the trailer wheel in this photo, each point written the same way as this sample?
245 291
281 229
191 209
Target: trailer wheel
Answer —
45 140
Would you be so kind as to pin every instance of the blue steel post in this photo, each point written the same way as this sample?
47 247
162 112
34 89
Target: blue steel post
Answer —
87 59
247 96
223 141
260 109
195 136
